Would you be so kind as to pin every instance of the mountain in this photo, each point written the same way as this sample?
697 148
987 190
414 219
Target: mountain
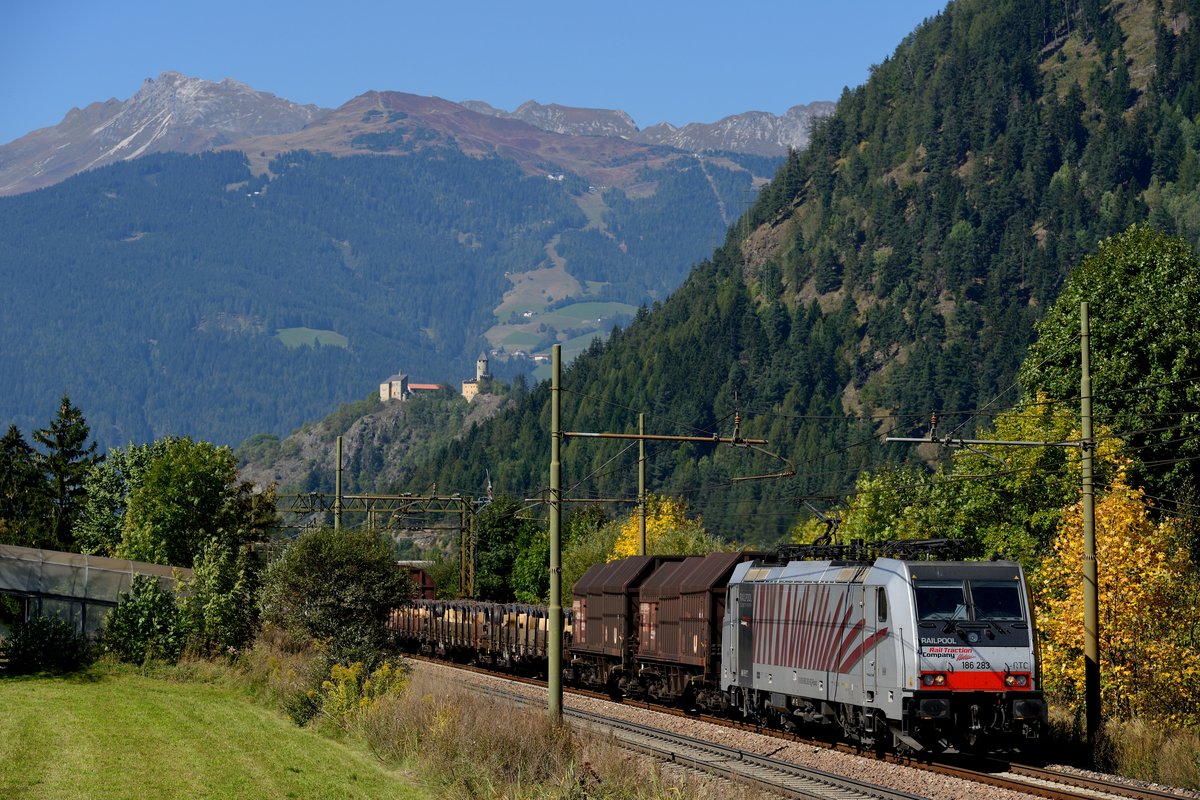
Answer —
892 270
565 119
177 113
754 132
251 287
174 113
398 123
757 132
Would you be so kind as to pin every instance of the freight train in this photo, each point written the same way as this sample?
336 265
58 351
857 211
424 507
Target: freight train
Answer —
896 652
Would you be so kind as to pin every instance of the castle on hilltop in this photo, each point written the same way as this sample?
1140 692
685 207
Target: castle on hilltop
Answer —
398 386
471 388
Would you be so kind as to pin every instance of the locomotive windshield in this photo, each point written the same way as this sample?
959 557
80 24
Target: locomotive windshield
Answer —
980 601
941 600
994 600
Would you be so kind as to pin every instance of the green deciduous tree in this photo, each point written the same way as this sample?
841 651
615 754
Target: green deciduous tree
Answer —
145 625
218 604
589 540
335 588
67 458
1001 500
107 487
891 504
500 536
1143 289
531 566
188 495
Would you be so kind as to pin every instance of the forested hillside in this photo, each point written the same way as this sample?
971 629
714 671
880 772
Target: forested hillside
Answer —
893 270
190 295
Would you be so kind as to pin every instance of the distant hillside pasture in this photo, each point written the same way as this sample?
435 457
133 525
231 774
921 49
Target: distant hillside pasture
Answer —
511 337
303 337
588 313
578 321
533 290
126 735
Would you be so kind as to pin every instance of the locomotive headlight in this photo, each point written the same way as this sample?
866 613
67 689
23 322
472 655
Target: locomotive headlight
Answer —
1016 680
973 637
933 679
939 679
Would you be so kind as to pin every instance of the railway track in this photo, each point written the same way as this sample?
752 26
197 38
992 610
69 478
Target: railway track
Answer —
779 777
758 770
1051 780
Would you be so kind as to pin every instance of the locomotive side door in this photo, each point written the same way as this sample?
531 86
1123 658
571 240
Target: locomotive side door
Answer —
870 626
744 620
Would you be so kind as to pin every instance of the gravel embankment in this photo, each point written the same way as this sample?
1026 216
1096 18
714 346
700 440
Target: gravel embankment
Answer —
914 781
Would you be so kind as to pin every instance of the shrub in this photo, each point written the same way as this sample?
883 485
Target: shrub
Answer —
282 677
45 644
336 589
350 691
145 625
217 606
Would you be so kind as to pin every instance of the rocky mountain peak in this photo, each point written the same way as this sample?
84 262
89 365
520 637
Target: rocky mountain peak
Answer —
172 112
757 132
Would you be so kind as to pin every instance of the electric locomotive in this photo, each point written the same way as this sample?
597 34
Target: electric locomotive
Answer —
894 650
899 654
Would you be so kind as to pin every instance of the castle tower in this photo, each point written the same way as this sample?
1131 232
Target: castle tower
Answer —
471 388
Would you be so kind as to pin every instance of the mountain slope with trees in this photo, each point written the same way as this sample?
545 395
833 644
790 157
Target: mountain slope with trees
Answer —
893 270
194 295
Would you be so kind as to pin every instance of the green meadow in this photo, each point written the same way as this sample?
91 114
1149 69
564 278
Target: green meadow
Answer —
124 735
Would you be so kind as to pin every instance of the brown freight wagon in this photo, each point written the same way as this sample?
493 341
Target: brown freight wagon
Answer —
424 587
681 608
605 609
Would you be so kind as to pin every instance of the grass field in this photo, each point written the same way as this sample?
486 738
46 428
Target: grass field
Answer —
123 735
300 337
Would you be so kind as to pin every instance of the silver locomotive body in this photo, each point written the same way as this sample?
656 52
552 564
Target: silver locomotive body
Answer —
917 655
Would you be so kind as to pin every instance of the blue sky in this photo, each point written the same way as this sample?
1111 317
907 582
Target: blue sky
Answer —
658 61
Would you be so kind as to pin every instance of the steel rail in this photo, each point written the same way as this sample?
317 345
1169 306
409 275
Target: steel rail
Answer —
780 777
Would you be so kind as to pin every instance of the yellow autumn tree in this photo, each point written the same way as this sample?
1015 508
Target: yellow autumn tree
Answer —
669 531
1149 644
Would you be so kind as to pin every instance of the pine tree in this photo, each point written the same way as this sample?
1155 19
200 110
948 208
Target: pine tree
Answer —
65 464
24 493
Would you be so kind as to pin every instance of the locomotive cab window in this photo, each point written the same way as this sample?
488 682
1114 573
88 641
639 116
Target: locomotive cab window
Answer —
881 609
969 601
942 600
995 600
